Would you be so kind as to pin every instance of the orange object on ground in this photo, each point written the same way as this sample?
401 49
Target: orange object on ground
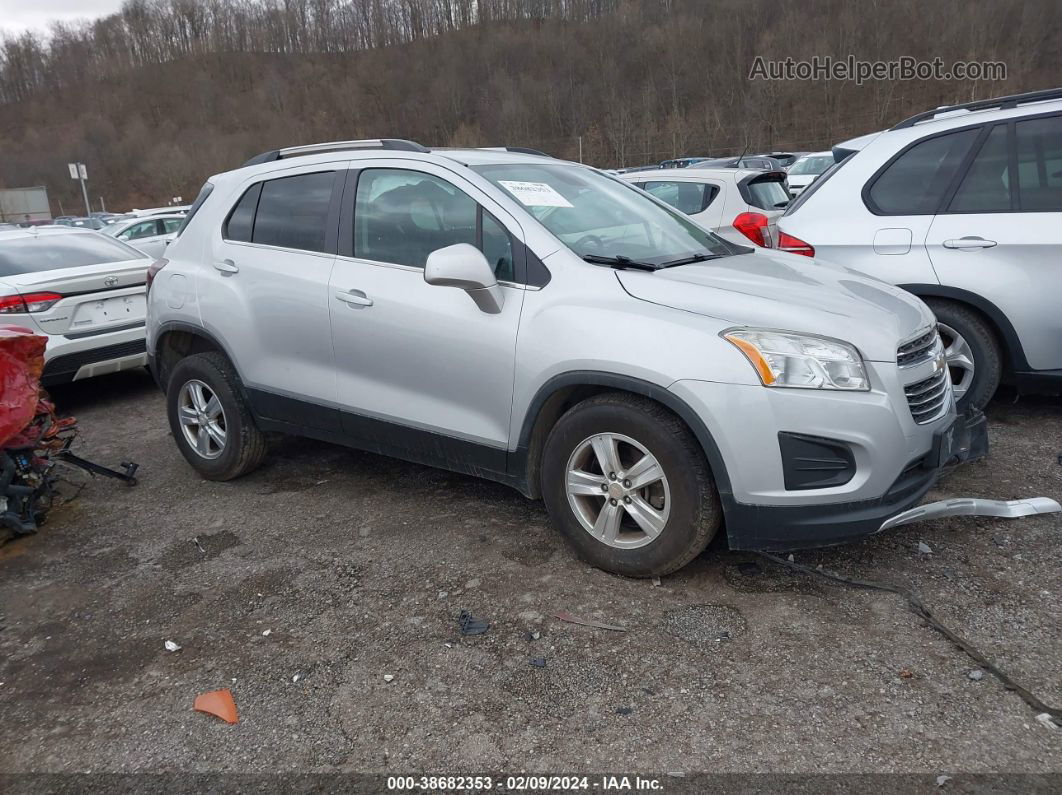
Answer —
21 362
219 703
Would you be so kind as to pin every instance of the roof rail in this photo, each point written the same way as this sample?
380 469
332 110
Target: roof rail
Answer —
523 150
1002 103
394 144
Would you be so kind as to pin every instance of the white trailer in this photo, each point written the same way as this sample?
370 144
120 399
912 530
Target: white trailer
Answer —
19 205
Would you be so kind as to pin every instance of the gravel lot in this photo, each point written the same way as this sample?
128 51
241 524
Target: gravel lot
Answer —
358 566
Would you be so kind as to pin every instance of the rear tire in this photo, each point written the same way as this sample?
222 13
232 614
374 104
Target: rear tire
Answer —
210 420
618 524
967 337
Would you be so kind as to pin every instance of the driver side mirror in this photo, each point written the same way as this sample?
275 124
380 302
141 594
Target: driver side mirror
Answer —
464 266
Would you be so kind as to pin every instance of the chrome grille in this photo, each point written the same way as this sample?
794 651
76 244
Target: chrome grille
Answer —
918 350
928 399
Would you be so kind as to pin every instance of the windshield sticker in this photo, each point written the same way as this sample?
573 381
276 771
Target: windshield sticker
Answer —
534 194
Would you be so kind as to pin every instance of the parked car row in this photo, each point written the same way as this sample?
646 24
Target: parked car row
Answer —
658 355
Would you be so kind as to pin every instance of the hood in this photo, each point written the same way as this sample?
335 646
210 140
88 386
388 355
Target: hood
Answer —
772 289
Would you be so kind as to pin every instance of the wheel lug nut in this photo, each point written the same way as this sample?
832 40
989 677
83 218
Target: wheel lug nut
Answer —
604 487
611 475
613 501
626 484
627 500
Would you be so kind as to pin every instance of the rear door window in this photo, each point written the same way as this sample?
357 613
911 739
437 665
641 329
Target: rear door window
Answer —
1039 143
293 211
143 229
916 181
686 197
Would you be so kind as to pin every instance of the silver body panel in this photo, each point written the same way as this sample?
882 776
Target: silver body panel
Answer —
426 357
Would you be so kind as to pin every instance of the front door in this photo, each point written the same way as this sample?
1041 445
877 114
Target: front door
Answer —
421 371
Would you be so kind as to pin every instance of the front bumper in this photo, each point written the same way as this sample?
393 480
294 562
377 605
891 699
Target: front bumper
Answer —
782 528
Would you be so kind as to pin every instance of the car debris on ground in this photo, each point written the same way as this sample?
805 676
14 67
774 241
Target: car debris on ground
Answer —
33 438
219 703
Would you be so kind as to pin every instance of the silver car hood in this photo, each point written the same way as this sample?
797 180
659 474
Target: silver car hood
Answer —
771 289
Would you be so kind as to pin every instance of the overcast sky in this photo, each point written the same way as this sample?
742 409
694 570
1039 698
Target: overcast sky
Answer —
19 15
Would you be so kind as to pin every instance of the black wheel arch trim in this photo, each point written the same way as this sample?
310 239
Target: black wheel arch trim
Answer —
1013 349
637 386
190 328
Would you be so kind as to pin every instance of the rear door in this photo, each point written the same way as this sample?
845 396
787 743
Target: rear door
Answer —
1000 234
265 290
422 372
888 239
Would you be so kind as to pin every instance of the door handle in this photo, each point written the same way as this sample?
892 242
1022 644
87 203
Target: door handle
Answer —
353 297
226 266
969 242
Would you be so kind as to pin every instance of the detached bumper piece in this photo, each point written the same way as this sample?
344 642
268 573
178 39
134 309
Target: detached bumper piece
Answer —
973 506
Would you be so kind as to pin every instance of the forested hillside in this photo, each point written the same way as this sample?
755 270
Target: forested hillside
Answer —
160 95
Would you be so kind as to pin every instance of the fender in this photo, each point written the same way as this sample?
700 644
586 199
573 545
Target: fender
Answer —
198 331
1015 352
521 456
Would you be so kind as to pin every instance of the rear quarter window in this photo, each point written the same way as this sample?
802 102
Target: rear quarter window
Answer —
915 181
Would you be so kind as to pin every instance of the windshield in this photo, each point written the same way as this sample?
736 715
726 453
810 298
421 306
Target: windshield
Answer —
55 252
599 216
811 165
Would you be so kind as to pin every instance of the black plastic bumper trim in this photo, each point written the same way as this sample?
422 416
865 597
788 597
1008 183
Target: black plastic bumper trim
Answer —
783 528
63 368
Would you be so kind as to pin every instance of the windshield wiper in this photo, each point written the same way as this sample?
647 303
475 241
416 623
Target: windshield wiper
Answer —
690 260
619 261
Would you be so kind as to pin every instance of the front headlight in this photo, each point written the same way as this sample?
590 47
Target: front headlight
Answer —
782 358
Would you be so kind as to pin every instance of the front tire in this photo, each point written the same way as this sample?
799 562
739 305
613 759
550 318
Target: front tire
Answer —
210 420
628 486
974 356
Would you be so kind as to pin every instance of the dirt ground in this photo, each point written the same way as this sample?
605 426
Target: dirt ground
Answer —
321 576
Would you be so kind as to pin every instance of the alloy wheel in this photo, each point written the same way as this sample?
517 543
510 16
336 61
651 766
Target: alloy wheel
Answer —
960 360
202 419
618 490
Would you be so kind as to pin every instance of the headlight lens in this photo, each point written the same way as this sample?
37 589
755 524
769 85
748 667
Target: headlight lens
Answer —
782 358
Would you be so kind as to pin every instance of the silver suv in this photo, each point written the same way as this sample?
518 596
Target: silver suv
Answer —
962 206
542 324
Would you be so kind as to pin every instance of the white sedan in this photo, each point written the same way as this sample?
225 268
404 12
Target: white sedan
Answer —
150 235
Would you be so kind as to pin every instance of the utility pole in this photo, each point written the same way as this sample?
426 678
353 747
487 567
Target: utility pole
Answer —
103 207
580 149
79 172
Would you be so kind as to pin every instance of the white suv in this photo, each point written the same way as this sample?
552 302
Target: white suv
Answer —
962 206
548 326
